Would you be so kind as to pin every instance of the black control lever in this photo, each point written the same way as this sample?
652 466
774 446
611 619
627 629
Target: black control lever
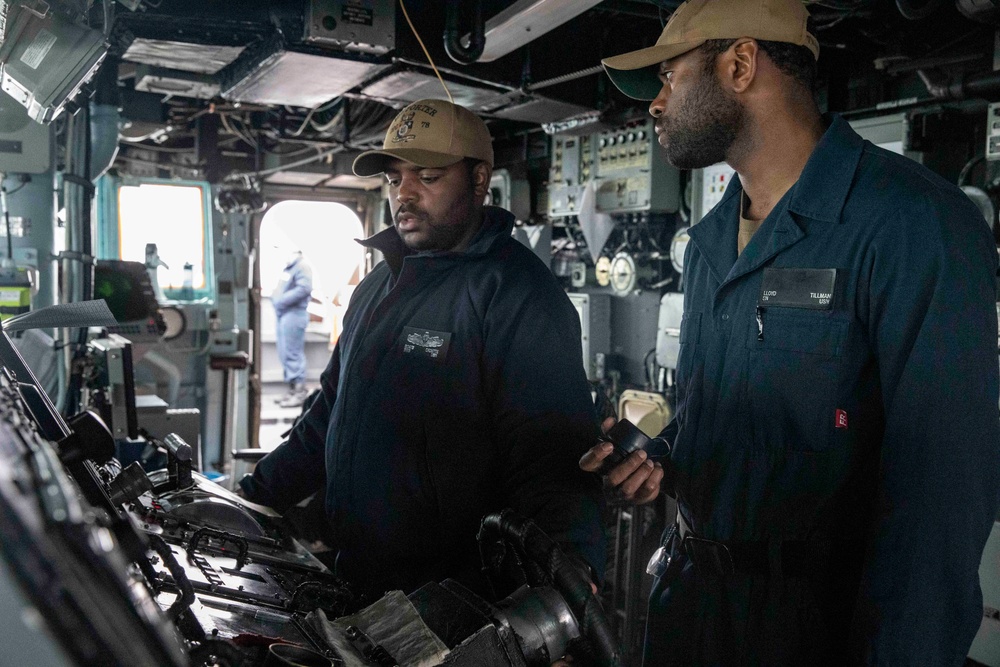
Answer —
179 455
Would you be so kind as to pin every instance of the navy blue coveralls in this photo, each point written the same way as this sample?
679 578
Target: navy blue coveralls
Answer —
456 389
848 451
290 305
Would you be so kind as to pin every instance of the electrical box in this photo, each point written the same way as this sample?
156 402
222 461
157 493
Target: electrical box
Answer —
115 379
993 132
571 170
366 26
889 132
708 185
15 299
668 331
46 60
633 173
513 194
595 322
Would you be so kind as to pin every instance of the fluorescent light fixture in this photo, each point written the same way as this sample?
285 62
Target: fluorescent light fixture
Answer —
526 20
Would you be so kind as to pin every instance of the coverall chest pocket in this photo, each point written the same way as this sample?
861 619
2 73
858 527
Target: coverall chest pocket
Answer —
792 382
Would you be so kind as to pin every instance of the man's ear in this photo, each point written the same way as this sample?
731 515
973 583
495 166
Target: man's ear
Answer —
741 64
481 175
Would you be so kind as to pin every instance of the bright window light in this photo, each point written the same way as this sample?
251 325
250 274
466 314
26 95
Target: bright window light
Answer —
172 217
325 232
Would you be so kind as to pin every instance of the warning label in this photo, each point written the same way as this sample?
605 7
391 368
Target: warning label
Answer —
357 13
38 49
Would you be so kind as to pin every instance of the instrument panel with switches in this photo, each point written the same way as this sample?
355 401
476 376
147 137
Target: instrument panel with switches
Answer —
571 170
633 173
993 132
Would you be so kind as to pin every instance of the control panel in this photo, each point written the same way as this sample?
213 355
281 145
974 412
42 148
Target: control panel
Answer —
571 170
709 185
993 132
632 171
595 330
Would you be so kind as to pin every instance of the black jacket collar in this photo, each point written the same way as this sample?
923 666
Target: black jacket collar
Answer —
497 226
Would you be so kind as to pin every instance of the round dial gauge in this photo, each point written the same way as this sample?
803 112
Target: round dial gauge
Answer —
175 321
623 276
602 271
677 247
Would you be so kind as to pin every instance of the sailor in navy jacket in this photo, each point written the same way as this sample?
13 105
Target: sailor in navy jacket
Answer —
456 389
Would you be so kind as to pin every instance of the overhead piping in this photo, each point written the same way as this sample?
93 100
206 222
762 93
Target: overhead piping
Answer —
986 86
525 21
464 55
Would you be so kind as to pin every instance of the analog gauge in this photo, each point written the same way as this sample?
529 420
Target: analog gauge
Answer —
623 276
603 271
176 323
677 248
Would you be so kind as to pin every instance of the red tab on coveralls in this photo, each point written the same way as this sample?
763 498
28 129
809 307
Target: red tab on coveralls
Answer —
841 419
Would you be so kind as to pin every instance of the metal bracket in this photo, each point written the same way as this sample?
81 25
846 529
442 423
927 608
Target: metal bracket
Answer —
241 544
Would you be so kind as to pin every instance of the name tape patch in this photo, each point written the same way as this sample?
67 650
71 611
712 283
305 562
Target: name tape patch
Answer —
798 288
426 343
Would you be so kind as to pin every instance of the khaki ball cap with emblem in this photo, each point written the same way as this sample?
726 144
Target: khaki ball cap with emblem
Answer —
697 21
430 133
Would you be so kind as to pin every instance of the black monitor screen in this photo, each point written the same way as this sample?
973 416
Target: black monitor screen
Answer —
126 288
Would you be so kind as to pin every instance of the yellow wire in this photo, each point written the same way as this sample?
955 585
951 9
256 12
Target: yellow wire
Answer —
429 59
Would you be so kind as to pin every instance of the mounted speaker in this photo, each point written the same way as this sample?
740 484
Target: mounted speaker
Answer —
24 144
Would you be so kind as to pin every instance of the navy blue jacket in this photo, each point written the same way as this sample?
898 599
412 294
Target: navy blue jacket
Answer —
870 425
456 389
296 289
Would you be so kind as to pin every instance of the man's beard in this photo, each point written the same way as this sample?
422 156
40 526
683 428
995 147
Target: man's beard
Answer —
432 235
703 128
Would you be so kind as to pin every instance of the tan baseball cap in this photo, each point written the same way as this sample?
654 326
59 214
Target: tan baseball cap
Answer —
430 133
697 21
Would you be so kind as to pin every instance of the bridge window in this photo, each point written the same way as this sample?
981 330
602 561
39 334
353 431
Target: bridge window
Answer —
173 217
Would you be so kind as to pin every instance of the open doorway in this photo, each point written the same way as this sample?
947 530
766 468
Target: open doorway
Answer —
324 233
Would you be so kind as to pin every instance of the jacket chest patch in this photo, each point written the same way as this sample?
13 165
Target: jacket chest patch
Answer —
798 288
426 343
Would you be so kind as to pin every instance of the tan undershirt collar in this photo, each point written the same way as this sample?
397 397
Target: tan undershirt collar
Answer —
747 227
